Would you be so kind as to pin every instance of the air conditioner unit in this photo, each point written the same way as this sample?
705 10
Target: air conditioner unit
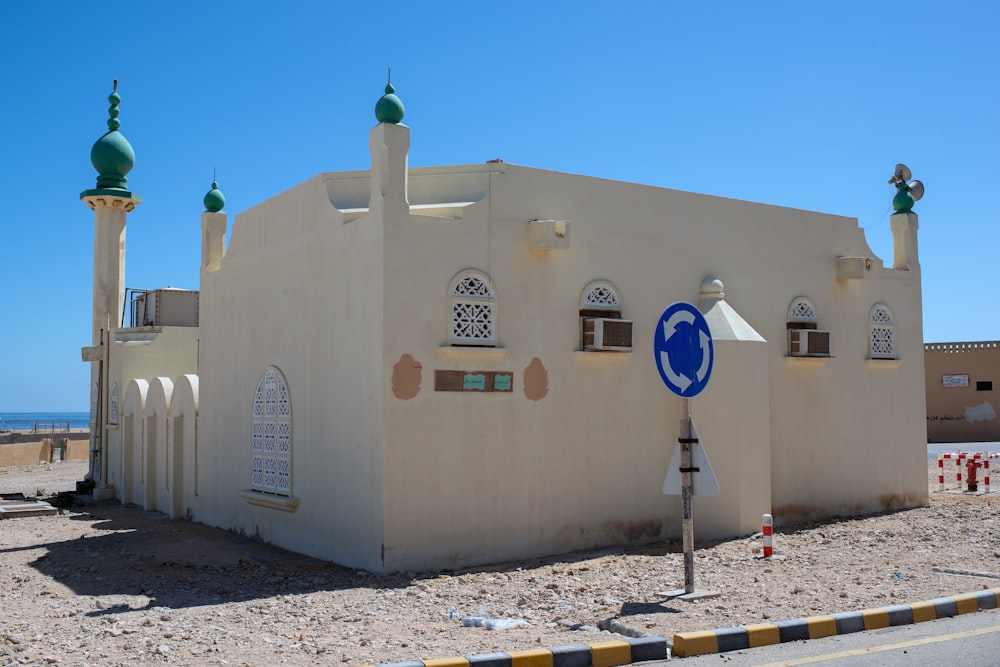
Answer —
166 308
607 334
808 343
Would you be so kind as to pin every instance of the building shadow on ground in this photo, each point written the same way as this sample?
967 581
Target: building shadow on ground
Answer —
131 560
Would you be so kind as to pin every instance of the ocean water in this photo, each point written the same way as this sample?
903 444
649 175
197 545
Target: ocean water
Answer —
26 421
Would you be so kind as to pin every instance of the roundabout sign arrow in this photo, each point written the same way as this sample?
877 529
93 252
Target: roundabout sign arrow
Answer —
682 346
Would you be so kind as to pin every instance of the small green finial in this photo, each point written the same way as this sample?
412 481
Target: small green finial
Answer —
907 194
389 108
114 99
214 199
112 155
903 201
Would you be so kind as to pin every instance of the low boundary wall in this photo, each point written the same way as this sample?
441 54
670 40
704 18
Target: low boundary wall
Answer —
47 450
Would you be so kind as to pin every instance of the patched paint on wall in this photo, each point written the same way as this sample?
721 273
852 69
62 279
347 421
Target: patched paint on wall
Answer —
536 380
980 413
406 376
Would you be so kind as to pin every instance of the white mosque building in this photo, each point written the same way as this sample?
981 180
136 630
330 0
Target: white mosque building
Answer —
409 369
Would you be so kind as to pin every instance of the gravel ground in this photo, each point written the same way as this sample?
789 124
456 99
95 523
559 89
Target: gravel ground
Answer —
109 585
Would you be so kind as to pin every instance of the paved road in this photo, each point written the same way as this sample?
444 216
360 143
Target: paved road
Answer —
970 640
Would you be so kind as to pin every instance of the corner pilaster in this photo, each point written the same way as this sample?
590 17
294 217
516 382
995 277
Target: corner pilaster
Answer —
213 240
904 241
389 145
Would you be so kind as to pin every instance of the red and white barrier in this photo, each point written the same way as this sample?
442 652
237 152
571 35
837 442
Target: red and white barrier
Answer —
768 532
960 459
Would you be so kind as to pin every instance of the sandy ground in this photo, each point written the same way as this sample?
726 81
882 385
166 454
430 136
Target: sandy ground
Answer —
42 480
109 585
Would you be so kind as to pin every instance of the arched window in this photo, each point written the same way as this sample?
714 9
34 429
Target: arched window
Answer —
473 310
601 326
882 333
801 313
271 436
804 338
601 296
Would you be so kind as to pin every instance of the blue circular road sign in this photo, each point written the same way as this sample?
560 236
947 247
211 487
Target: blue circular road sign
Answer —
682 346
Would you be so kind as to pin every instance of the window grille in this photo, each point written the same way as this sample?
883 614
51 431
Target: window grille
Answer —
271 435
802 311
601 326
473 310
804 339
600 296
882 339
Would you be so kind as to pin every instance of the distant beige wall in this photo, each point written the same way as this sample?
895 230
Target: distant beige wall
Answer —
30 453
962 380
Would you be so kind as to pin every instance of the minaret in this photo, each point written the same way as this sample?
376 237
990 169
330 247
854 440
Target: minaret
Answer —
904 221
389 144
112 157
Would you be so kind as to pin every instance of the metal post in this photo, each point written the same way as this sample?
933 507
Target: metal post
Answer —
687 493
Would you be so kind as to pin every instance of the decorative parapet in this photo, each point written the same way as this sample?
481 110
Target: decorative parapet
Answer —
956 348
103 198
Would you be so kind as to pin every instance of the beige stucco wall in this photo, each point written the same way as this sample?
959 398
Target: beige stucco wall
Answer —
962 414
300 290
143 353
338 279
496 476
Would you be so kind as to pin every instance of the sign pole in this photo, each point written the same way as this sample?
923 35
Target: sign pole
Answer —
687 493
683 351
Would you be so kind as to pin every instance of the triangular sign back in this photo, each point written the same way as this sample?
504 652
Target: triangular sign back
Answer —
704 481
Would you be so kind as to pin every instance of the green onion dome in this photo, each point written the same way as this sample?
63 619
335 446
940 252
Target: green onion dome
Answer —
389 108
903 201
112 155
214 199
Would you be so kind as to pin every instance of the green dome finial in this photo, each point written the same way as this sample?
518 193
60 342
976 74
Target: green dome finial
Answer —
214 199
907 194
903 201
112 155
389 108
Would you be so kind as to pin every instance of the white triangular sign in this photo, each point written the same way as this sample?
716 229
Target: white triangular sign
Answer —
704 481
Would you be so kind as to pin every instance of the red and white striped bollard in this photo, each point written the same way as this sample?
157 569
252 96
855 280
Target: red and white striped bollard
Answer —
768 536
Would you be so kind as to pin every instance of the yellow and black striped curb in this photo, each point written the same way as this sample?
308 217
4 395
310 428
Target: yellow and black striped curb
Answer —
602 654
734 639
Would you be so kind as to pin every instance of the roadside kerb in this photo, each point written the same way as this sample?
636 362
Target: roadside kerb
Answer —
601 654
688 644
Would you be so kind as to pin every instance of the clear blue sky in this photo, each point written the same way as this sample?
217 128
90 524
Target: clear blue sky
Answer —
806 105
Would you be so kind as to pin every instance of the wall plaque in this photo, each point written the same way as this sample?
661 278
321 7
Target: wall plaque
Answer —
481 382
955 380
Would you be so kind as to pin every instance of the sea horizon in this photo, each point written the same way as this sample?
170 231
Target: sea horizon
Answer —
21 421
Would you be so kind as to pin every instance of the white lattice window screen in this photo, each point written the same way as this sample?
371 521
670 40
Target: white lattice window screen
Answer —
271 436
883 333
801 310
600 297
472 285
472 311
113 404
